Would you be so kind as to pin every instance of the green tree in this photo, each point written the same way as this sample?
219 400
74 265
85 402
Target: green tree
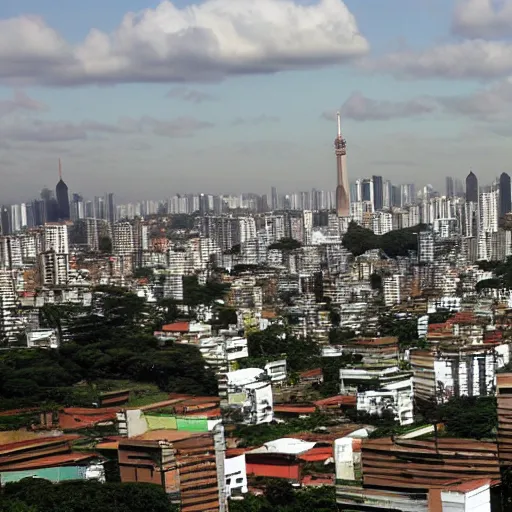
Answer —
285 244
105 245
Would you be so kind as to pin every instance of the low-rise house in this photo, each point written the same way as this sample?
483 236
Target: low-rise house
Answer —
431 475
51 458
380 391
249 393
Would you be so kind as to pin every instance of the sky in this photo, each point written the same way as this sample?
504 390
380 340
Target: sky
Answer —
151 98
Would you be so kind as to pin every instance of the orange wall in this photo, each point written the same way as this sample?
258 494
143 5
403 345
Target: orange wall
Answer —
289 471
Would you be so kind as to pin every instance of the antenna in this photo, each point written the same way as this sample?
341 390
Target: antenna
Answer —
60 169
339 123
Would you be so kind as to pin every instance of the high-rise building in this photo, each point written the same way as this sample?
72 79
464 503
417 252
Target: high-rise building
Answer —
61 191
342 190
472 188
505 194
274 199
450 187
111 208
378 193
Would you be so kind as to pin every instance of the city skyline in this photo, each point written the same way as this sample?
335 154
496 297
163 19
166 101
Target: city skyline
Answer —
415 97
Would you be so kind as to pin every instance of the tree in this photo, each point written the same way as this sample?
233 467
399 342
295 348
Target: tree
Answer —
395 243
470 417
144 273
285 244
338 336
376 281
85 496
405 329
279 493
105 245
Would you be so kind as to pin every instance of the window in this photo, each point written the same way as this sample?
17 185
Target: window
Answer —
239 480
228 481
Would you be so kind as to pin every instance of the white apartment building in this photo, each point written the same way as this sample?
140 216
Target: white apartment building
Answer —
382 222
426 247
123 239
10 325
10 252
391 287
55 238
249 392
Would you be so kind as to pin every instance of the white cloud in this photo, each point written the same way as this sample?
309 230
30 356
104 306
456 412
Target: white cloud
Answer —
482 18
200 42
255 121
362 108
493 103
53 131
190 95
470 59
20 102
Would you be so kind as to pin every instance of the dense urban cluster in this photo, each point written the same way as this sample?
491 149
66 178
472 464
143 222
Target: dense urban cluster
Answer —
306 351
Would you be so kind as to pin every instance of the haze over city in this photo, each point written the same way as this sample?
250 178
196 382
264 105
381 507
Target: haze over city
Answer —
153 98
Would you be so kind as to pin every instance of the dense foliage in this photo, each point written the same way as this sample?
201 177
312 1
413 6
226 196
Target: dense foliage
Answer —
36 495
502 271
286 244
256 435
195 294
110 340
275 341
281 497
405 329
395 243
470 417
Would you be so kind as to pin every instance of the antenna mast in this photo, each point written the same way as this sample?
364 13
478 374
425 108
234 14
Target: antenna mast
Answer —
339 124
60 169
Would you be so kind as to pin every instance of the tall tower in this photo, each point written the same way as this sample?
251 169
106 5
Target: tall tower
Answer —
505 194
472 188
62 197
342 190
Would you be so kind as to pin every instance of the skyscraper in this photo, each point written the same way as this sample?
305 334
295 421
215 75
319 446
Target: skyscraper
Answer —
342 190
505 194
378 193
111 208
274 199
61 191
472 188
450 187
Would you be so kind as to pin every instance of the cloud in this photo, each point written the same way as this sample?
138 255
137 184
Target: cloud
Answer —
176 128
493 103
190 95
139 145
20 101
395 163
473 59
482 18
53 131
361 108
255 121
39 131
201 42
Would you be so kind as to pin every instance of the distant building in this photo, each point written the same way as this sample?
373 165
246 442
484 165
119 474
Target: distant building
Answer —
472 188
505 195
61 191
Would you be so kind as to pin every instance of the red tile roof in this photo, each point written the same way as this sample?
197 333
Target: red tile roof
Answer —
337 400
20 445
66 459
294 409
320 454
177 327
70 420
310 374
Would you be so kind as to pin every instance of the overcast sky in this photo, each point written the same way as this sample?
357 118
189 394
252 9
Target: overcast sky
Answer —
148 98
